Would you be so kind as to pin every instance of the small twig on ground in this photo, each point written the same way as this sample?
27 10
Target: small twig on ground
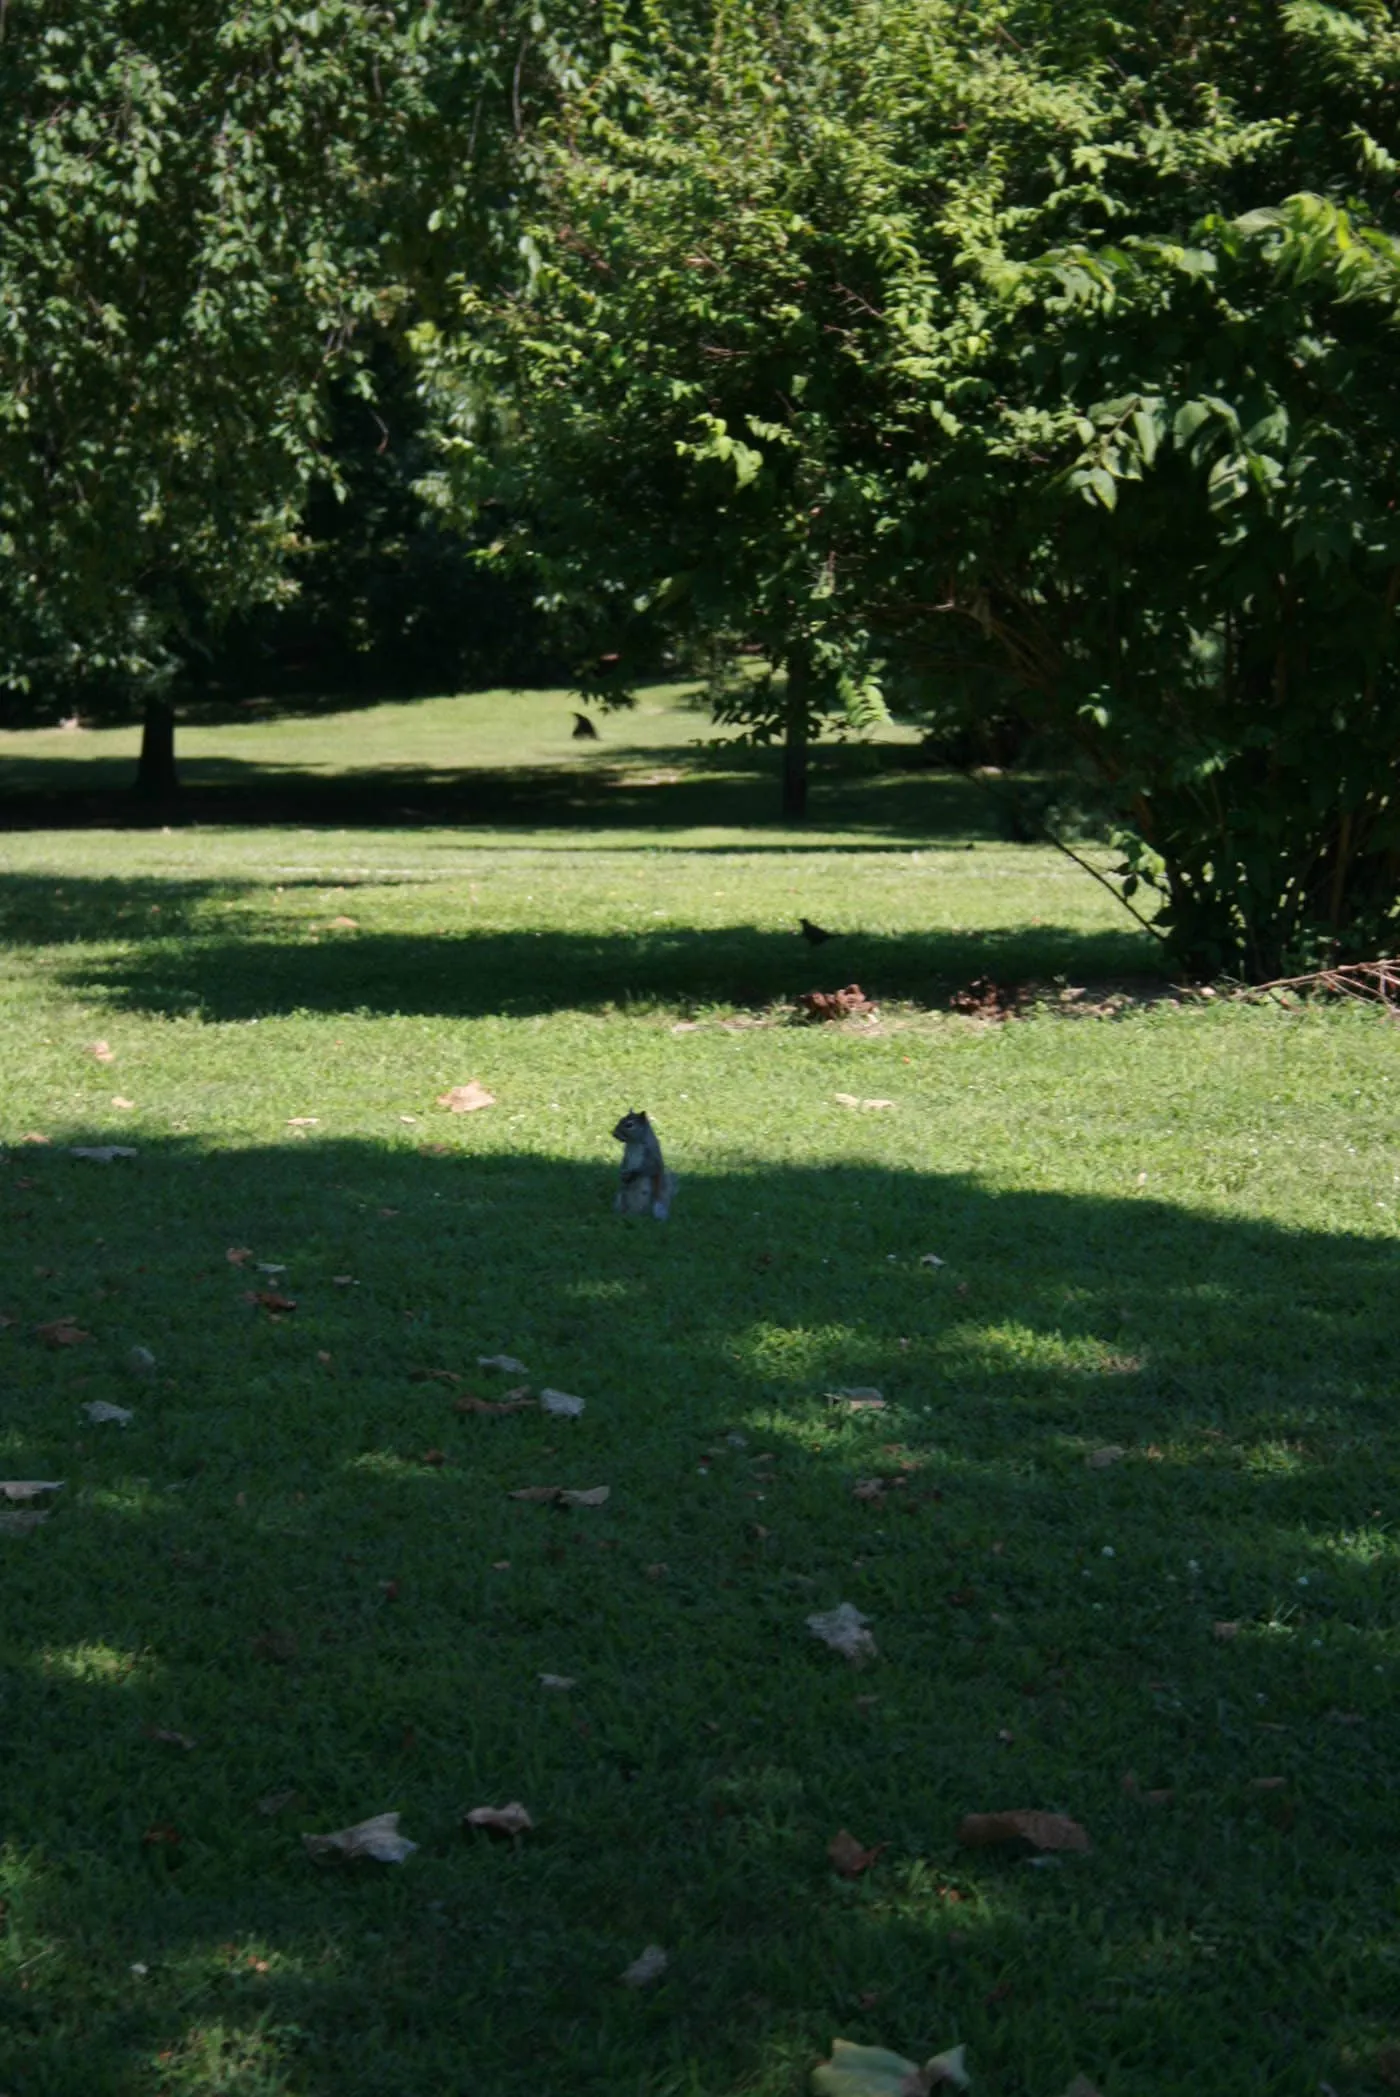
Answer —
1369 982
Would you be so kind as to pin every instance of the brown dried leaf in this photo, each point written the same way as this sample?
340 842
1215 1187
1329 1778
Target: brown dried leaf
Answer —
466 1099
430 1375
826 1005
270 1299
61 1332
102 1052
278 1645
304 1121
536 1492
344 924
850 1858
237 1254
1100 1459
125 1104
500 1820
1043 1831
469 1404
23 1523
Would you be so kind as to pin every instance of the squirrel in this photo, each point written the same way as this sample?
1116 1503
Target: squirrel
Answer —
647 1187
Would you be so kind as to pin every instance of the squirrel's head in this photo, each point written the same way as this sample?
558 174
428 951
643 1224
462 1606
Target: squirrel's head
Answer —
632 1124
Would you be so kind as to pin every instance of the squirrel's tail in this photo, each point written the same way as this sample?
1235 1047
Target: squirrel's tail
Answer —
661 1207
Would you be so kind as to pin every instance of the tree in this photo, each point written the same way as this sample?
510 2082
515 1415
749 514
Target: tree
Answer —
208 212
687 409
879 336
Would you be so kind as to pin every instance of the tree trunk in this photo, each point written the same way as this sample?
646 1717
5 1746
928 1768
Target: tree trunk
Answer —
156 778
796 721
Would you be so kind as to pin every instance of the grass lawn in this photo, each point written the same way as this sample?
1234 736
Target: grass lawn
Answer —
1169 1231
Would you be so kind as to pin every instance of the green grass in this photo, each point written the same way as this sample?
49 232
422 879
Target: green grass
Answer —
1174 1230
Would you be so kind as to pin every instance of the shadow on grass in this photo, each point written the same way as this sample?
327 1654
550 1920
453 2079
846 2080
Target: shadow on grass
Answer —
170 961
867 788
308 1562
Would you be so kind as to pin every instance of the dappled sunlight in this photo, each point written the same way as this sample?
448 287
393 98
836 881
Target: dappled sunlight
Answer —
100 1666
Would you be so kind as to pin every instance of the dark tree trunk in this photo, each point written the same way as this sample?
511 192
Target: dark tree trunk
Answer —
156 778
796 723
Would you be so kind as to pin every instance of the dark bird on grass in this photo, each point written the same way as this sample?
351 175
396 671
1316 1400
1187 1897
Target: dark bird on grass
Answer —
584 731
815 935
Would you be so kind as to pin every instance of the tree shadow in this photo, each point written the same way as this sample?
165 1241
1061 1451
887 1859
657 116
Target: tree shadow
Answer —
686 786
173 957
308 1562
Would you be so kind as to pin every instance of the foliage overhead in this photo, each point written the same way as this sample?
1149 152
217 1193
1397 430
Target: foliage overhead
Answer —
207 213
979 352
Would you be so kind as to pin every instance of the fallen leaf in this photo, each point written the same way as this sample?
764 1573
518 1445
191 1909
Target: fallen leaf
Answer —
843 1629
102 1052
1043 1831
469 1404
850 1858
430 1375
500 1820
169 1738
536 1492
101 1153
869 1488
659 1571
270 1299
23 1523
1100 1459
100 1411
162 1832
1225 1631
271 1266
344 924
28 1488
595 1496
278 1645
125 1104
857 1398
237 1254
819 1005
345 1281
140 1361
869 2071
466 1099
33 1136
378 1838
304 1121
931 1259
276 1801
434 1457
505 1362
556 1681
560 1402
62 1332
649 1965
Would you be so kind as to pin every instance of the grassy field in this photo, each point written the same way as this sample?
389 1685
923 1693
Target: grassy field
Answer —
1166 1228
